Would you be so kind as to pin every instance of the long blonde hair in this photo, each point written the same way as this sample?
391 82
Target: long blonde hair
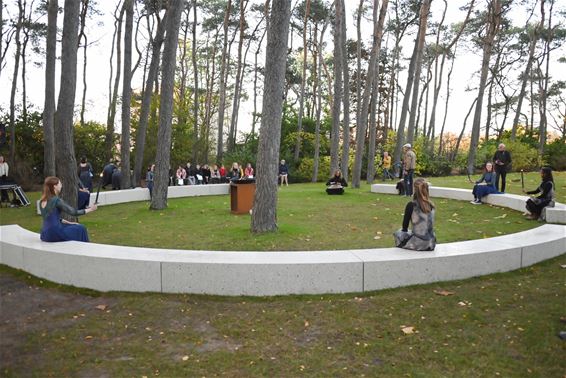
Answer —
49 188
421 195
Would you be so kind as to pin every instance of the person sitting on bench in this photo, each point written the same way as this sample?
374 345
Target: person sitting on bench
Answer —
336 184
535 205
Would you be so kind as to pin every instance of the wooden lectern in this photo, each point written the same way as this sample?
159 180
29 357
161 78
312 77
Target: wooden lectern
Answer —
242 196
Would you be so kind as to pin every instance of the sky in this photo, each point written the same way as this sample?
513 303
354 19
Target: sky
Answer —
100 30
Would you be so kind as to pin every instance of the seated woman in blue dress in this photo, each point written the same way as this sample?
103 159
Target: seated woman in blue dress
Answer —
535 205
485 185
54 228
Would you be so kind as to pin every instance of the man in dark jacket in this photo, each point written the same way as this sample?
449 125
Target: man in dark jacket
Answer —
502 161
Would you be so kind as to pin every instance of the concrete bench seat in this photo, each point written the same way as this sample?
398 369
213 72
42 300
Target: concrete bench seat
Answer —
118 268
556 214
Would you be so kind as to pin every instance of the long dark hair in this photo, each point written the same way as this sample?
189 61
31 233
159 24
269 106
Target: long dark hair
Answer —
547 174
421 195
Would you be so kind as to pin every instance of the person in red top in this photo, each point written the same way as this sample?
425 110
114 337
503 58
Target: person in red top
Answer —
181 174
249 171
222 171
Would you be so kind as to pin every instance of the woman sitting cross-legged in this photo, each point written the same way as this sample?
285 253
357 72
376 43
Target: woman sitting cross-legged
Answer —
545 198
336 184
54 228
485 185
420 212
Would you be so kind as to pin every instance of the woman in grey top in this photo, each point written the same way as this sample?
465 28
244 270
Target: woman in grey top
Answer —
420 213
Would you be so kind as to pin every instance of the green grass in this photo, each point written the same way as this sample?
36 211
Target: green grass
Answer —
499 325
308 219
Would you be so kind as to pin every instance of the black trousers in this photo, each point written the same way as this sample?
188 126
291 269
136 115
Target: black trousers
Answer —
502 175
335 190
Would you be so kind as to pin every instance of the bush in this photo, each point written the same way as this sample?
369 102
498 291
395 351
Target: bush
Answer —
555 155
523 155
303 173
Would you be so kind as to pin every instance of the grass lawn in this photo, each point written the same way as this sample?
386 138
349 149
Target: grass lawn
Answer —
308 219
500 325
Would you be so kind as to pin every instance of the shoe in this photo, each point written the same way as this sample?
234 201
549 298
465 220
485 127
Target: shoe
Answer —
531 217
476 202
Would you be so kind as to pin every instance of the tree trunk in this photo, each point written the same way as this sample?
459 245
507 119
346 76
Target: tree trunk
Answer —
82 36
440 141
338 76
238 84
373 68
345 161
49 105
26 31
255 115
127 95
65 153
425 8
544 88
19 26
318 91
146 100
222 86
359 15
303 83
194 48
493 21
163 156
264 216
455 152
113 94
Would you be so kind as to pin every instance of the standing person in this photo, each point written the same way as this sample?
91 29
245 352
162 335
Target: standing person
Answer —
149 179
420 213
409 165
4 171
502 160
86 173
336 184
545 198
386 165
249 171
283 173
54 228
481 190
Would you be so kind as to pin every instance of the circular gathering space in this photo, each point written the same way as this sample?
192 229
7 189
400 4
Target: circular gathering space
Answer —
325 244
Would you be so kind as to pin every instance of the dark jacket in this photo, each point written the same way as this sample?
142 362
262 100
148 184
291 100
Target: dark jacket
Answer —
502 160
334 180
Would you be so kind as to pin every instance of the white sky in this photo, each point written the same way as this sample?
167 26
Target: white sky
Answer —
100 29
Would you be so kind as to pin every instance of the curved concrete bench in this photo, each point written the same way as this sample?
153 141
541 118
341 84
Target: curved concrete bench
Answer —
116 268
556 214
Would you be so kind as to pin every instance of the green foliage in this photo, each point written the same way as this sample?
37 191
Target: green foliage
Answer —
524 155
555 155
304 171
89 142
243 153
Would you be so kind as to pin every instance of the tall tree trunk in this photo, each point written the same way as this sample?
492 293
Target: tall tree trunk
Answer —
26 31
455 152
303 83
222 86
338 76
238 84
65 153
163 156
264 216
255 115
49 105
493 22
127 96
345 161
113 93
423 17
446 100
146 99
373 67
83 37
19 26
195 78
370 169
318 91
359 15
544 88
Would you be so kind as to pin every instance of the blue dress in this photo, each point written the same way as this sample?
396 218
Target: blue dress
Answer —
489 187
53 230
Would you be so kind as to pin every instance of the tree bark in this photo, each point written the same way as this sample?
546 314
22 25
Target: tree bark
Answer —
194 48
127 95
303 83
425 8
318 91
345 160
222 86
82 36
66 164
493 22
21 11
544 88
163 156
146 100
373 68
49 105
264 216
338 88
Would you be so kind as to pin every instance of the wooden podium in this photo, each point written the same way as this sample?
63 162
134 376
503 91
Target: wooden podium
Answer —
242 196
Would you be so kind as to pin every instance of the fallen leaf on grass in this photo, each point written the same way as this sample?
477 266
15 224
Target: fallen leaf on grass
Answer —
377 237
88 337
563 266
444 293
101 307
185 358
500 217
307 323
408 330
